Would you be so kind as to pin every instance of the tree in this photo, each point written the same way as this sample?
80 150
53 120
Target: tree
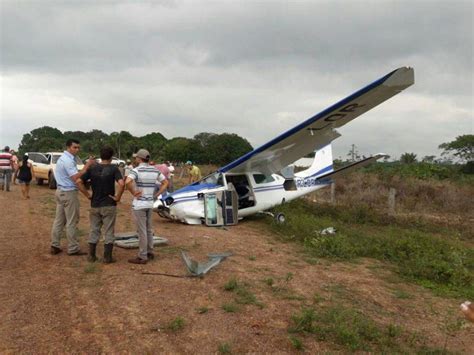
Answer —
429 159
42 139
179 149
226 147
154 143
408 158
462 147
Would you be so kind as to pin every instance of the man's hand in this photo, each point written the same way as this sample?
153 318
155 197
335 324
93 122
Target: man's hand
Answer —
137 193
115 198
90 161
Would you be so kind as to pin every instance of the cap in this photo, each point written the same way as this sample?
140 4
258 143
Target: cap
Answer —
189 162
143 154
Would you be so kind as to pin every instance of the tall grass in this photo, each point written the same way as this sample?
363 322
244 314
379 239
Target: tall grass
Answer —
429 196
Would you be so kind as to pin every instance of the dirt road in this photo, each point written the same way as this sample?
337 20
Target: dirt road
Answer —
64 304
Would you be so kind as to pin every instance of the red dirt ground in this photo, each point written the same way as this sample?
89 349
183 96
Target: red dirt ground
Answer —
60 303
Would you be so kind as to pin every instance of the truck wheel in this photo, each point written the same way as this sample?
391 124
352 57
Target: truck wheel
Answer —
39 181
51 181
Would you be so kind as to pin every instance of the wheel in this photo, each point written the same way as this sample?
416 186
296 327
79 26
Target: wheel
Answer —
51 181
39 181
280 218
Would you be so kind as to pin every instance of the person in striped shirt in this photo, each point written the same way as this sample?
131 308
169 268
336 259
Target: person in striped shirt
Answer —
6 167
141 182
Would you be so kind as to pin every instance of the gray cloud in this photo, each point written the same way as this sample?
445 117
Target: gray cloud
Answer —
253 68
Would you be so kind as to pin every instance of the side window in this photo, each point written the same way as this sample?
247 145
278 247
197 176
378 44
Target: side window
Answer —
32 156
42 159
263 179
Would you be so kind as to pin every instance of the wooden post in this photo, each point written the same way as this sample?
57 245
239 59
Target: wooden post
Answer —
391 200
333 193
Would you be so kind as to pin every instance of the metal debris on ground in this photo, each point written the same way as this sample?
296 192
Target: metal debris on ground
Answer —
199 269
129 240
327 231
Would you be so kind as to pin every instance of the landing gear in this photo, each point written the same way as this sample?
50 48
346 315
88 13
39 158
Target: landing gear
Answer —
280 218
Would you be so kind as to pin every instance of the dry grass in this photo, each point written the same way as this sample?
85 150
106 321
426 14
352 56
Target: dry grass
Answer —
444 202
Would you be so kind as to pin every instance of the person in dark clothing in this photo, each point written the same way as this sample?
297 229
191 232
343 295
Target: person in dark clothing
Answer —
24 174
103 202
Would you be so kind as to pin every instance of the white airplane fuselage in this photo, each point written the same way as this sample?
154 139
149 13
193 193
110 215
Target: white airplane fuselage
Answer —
256 192
188 206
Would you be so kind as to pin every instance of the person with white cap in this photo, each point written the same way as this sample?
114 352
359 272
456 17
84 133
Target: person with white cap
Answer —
141 182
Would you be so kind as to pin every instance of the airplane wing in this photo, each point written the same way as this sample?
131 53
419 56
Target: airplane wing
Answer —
319 130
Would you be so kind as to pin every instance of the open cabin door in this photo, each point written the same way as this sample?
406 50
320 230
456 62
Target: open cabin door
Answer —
221 208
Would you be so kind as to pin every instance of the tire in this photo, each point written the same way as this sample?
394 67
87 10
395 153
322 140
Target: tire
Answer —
280 218
39 181
51 181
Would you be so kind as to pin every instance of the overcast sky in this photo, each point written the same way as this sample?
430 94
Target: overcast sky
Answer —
254 68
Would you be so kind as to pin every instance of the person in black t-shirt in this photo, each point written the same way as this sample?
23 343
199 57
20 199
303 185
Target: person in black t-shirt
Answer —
103 202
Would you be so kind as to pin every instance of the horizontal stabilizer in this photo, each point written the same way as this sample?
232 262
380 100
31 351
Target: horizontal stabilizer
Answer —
344 170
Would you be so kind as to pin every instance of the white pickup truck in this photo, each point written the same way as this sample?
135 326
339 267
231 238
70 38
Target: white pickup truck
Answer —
44 166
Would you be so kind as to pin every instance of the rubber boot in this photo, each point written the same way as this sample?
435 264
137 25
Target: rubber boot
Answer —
108 254
92 257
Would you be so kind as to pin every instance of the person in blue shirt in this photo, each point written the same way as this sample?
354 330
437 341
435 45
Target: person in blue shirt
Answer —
67 199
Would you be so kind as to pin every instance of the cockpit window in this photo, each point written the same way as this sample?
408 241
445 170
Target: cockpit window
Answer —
262 179
215 179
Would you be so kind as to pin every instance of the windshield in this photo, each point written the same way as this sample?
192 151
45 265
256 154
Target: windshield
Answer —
215 179
76 158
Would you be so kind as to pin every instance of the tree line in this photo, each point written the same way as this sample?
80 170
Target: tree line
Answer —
203 148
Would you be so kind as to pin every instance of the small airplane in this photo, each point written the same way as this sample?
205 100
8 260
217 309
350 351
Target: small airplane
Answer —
264 178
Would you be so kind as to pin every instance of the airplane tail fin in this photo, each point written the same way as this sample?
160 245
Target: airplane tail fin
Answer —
322 163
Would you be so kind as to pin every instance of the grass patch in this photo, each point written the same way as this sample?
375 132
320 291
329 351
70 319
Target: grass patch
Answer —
231 285
287 294
296 342
269 281
401 294
242 294
230 307
317 298
176 324
224 348
346 327
91 268
252 258
202 310
439 262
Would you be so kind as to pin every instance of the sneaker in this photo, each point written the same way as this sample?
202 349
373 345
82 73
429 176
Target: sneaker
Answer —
55 250
150 256
77 253
137 261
